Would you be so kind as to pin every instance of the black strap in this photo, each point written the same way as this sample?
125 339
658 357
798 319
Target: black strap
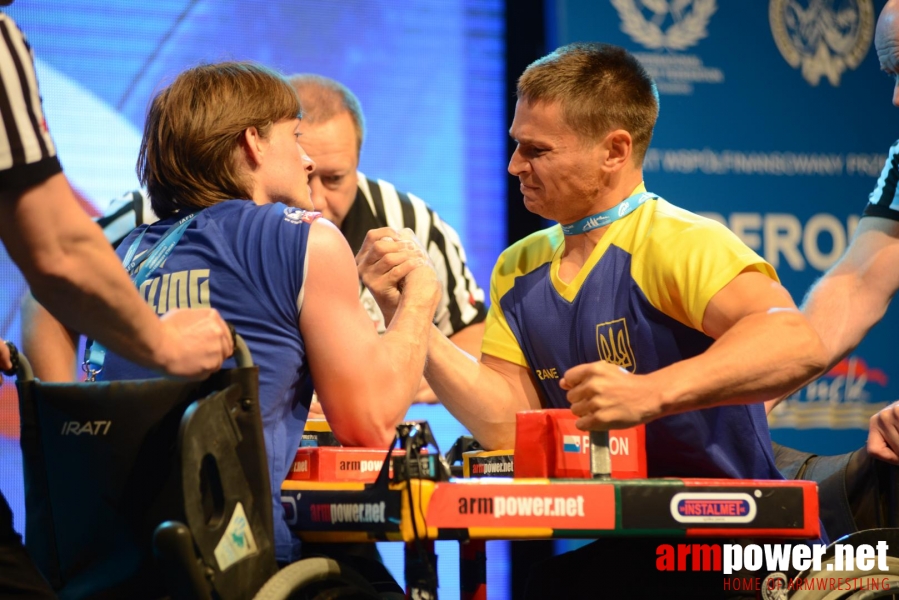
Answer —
137 203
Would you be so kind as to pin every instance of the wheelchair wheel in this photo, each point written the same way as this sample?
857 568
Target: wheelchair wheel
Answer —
319 579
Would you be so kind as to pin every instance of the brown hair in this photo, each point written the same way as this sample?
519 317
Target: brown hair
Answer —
600 88
189 152
323 99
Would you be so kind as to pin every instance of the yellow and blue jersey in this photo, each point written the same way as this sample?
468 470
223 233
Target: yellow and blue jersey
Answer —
638 302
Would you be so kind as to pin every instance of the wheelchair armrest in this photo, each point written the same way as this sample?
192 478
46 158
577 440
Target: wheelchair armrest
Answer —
173 546
21 368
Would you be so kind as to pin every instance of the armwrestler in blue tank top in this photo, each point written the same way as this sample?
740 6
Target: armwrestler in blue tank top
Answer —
249 262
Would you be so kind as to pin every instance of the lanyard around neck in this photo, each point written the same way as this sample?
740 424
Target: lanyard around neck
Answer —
607 217
139 269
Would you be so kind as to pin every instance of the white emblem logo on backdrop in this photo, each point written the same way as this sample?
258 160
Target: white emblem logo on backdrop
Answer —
822 37
666 27
644 23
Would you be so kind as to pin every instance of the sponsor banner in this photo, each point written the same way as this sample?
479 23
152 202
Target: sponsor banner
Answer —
549 445
552 506
338 464
497 463
501 508
704 507
370 510
719 507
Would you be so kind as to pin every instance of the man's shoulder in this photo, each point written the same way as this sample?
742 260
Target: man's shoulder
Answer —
673 240
663 222
529 253
666 238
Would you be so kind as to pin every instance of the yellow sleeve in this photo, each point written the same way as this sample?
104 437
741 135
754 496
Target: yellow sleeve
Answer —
685 260
499 341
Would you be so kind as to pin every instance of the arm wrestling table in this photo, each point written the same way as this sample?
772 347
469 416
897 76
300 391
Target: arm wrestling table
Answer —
324 506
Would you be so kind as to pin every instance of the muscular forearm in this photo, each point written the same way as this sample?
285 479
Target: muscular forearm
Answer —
482 399
406 348
75 274
373 397
763 354
841 308
842 312
849 299
468 339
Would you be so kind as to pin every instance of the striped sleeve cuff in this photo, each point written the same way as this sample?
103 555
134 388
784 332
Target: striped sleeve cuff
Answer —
21 177
879 210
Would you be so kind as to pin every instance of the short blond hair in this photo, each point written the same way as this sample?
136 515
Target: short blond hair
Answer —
324 98
189 154
600 87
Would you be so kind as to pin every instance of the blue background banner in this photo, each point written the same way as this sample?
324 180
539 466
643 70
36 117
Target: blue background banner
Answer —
774 121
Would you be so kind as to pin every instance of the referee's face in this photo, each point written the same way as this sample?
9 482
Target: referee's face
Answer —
333 147
886 41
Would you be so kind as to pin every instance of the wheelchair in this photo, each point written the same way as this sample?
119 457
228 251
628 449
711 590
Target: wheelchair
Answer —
156 488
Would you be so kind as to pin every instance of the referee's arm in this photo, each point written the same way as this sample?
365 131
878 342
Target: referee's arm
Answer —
51 347
63 255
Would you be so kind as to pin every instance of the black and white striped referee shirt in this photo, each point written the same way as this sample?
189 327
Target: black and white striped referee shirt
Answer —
27 152
377 204
883 201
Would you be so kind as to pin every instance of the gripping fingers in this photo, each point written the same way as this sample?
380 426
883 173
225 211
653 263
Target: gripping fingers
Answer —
588 412
399 272
581 408
396 258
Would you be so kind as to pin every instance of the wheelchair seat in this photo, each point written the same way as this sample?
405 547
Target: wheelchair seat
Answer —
153 488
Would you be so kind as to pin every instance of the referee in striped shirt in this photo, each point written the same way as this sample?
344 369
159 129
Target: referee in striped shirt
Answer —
72 269
333 128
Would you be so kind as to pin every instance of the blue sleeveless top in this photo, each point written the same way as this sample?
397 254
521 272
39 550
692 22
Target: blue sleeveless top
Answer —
249 263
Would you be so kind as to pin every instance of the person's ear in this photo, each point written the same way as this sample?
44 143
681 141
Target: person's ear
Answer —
254 146
618 146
